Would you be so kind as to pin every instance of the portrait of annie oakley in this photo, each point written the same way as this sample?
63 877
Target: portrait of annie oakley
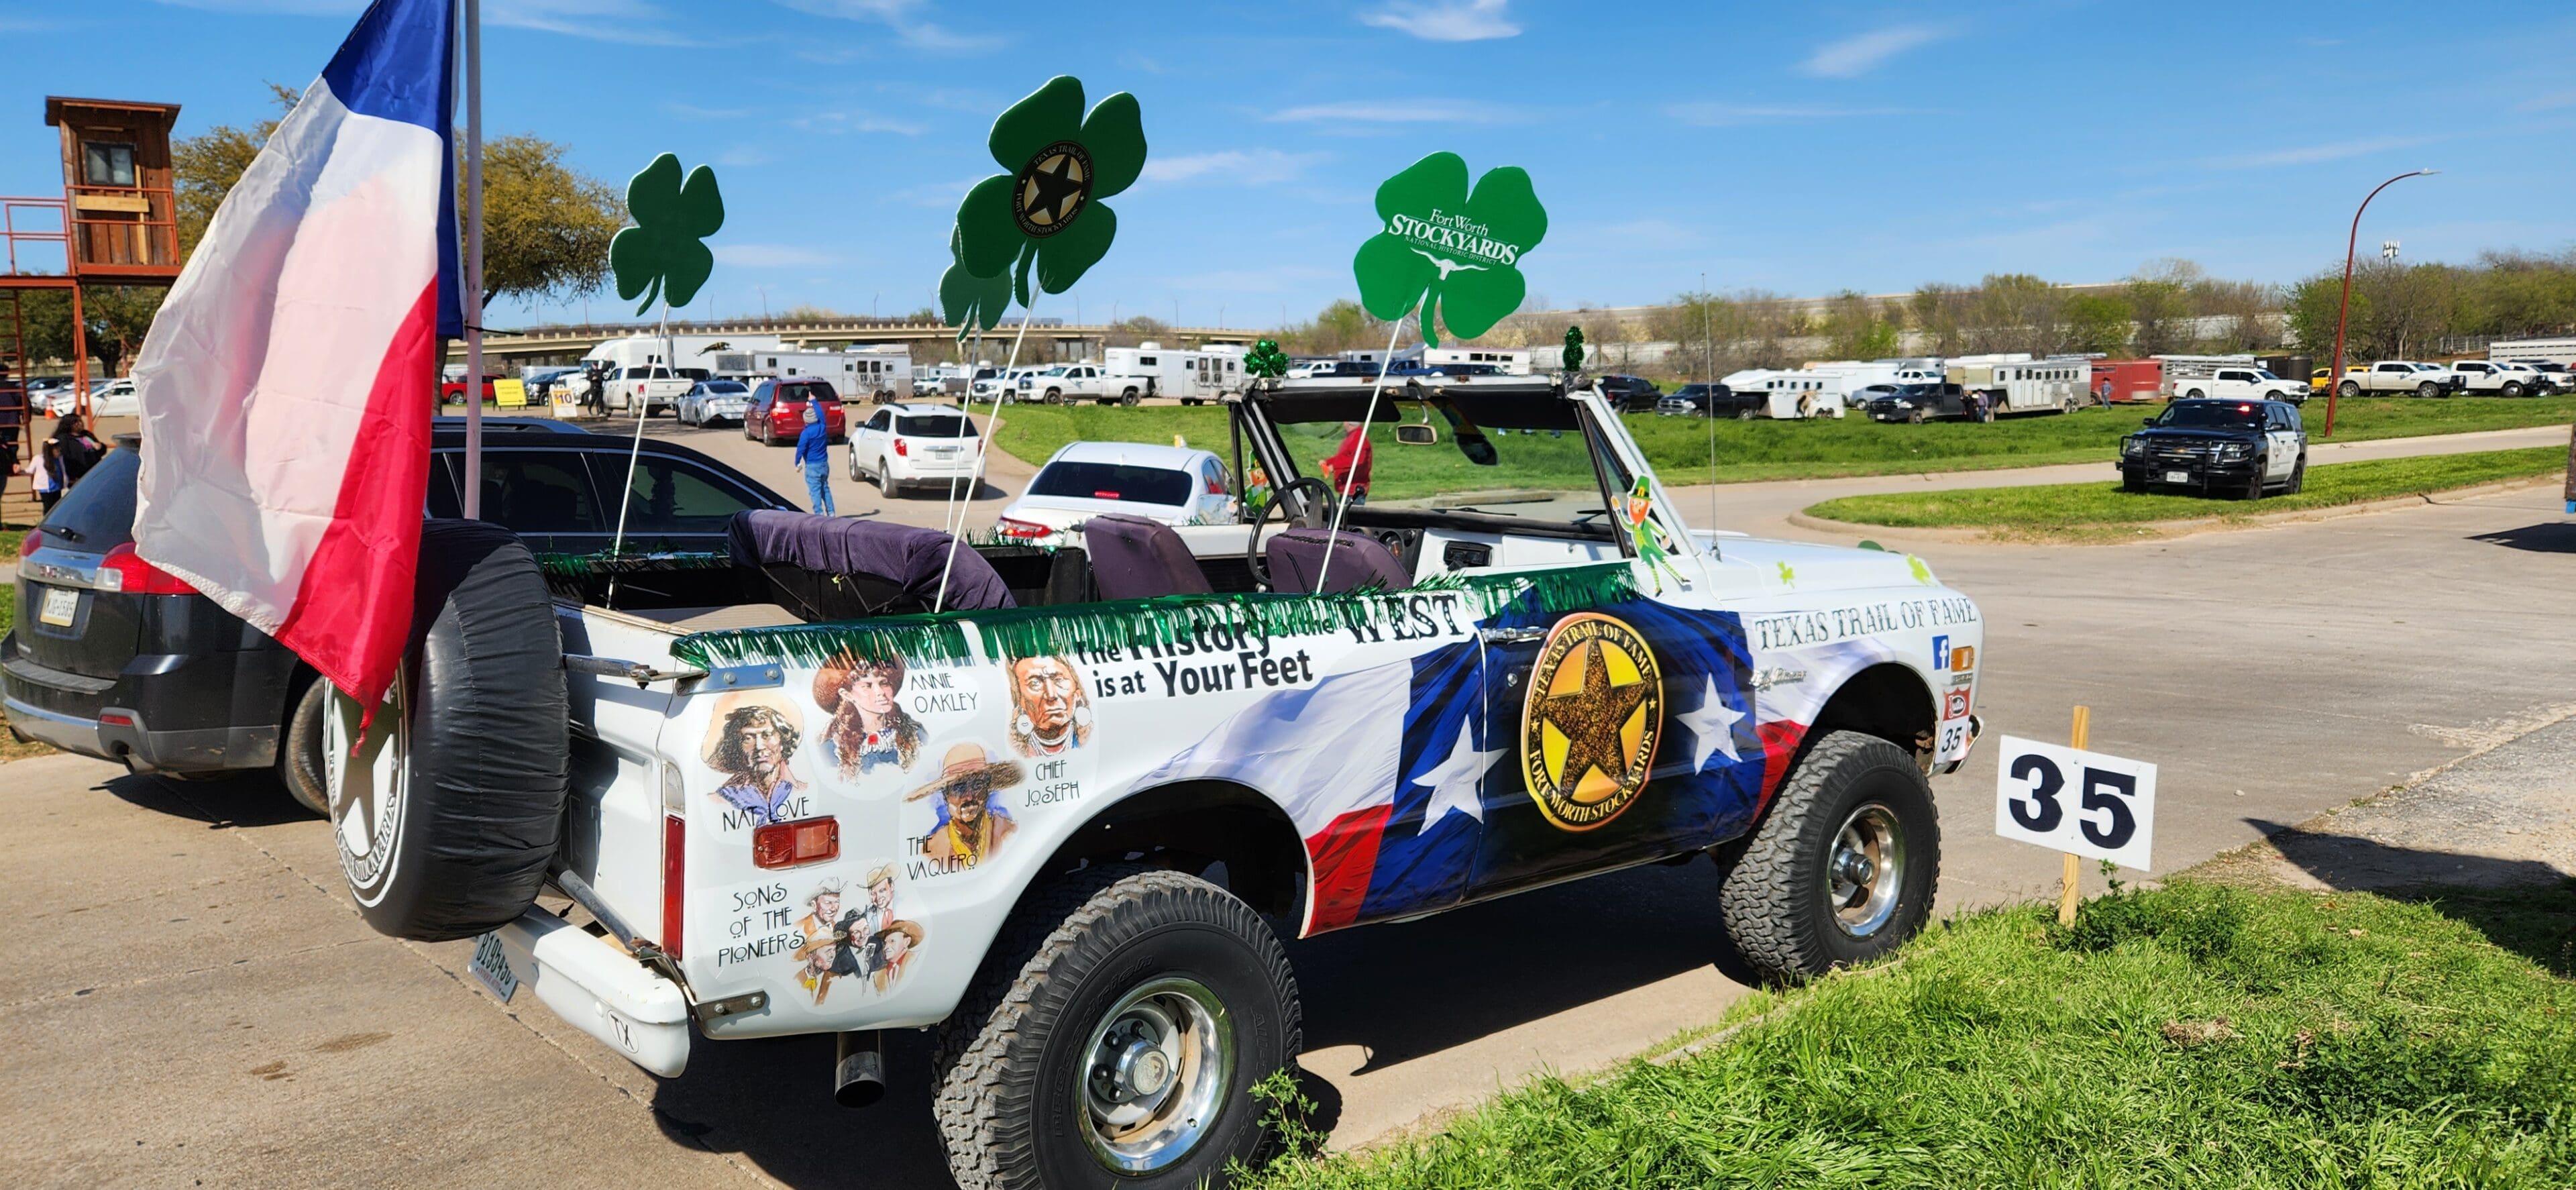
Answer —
1050 711
869 727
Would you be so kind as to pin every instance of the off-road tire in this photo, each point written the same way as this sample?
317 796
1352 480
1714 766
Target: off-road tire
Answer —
1773 898
2131 482
2254 487
299 748
1006 1069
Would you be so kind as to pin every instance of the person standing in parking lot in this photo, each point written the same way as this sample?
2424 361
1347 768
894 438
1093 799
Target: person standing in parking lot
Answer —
814 458
1348 469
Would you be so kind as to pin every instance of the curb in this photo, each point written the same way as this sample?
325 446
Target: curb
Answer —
2161 530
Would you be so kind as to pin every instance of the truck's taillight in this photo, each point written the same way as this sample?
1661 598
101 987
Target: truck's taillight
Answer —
675 884
1022 529
903 448
124 570
804 841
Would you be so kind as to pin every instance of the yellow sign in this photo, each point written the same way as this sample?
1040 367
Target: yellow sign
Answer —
1589 727
510 393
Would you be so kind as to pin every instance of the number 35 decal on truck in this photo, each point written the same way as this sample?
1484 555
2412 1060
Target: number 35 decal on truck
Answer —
2074 801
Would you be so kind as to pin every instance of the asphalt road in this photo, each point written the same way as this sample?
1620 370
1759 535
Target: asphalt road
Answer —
189 997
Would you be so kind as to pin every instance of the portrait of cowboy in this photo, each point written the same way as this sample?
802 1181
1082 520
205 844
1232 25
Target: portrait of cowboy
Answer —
823 936
894 946
971 828
869 727
752 743
1050 711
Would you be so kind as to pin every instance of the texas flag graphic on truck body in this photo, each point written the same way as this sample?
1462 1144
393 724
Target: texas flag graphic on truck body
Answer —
286 385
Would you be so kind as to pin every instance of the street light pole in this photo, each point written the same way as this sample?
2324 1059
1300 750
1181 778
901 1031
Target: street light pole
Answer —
2334 377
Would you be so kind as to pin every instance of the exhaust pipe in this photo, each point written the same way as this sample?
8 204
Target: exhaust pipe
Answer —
858 1075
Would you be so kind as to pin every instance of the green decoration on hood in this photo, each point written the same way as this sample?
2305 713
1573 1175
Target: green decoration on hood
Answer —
1573 349
967 301
662 255
1045 215
1453 254
1265 361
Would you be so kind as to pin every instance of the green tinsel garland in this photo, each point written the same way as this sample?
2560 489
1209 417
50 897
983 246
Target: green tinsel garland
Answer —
569 566
1035 631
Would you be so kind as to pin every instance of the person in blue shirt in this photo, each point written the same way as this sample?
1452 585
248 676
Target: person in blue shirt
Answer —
814 458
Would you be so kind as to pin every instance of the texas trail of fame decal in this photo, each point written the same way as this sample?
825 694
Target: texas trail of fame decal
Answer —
1589 727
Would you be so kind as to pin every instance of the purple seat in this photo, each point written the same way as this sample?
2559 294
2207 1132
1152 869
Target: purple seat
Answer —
838 568
1134 558
1296 556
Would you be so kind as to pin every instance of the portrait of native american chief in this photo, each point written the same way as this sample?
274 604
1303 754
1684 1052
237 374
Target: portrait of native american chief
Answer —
1050 711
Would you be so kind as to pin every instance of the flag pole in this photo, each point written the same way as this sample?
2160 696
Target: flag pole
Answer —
473 295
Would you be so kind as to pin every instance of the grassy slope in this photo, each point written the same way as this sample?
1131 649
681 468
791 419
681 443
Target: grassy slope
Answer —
1755 450
2060 505
2367 1042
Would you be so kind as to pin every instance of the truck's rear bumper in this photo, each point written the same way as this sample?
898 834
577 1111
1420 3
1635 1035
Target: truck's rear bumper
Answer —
601 990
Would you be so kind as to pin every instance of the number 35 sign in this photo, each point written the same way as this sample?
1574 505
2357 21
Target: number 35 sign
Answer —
2082 803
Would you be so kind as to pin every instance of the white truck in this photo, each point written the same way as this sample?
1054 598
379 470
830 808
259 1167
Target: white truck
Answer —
1064 384
2052 385
638 374
2237 377
1065 822
2494 378
2400 376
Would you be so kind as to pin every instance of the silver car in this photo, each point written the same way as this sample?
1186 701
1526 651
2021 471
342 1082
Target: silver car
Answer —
710 401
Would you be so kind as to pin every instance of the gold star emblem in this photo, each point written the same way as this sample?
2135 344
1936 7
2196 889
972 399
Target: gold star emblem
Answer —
1593 717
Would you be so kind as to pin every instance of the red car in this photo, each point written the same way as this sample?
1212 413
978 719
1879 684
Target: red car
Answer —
452 392
777 413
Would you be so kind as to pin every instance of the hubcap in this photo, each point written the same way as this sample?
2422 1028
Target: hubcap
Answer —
1865 871
1155 1073
367 781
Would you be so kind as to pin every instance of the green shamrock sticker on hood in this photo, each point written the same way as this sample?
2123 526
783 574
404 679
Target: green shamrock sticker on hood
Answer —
969 302
1452 253
663 254
1045 215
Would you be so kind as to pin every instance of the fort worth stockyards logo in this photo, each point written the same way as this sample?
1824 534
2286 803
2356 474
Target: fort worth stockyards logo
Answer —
1051 189
1589 727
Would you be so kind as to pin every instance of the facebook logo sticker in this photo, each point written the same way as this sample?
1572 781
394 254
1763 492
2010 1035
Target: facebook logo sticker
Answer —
1940 652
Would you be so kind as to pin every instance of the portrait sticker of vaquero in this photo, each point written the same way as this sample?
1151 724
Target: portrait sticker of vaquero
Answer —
852 941
869 727
1050 711
969 827
751 744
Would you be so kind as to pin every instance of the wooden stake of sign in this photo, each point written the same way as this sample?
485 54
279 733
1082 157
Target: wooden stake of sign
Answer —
2079 740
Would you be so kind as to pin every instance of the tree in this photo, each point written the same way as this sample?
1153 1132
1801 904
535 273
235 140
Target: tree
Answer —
546 227
115 318
2159 297
1340 326
2098 322
1139 329
1940 312
2017 312
1855 327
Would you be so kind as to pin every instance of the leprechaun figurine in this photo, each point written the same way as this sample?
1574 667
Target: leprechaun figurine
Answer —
1652 546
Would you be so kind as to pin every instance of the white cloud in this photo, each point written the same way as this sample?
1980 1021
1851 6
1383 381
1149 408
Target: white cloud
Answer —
2547 103
2311 154
1396 111
900 16
629 22
857 121
691 111
936 194
769 256
745 156
1726 115
1858 55
1259 167
1446 20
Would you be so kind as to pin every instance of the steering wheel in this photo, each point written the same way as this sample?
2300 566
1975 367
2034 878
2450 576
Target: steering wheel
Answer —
1318 515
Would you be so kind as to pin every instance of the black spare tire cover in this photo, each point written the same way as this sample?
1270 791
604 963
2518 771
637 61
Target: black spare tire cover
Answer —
459 821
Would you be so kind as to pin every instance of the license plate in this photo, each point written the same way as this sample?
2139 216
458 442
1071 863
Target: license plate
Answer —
2177 477
60 605
491 968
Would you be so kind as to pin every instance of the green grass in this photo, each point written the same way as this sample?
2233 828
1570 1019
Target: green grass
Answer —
2074 505
2195 1036
1758 450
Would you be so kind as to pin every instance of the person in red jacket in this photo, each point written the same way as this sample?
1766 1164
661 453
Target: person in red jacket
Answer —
1350 464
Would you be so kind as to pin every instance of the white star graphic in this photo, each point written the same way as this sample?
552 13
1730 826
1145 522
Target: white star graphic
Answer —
1454 781
1712 727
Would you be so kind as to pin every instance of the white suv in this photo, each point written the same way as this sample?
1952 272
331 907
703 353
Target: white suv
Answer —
903 446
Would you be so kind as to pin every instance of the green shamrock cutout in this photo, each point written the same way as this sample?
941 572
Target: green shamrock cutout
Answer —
1573 356
1265 361
662 255
967 301
1045 214
1453 254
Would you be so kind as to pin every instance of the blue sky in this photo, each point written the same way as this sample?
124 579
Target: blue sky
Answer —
1799 148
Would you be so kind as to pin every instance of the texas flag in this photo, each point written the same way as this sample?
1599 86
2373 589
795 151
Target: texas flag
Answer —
286 386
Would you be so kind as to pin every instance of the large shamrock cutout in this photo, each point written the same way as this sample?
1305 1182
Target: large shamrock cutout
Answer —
663 254
1046 213
967 301
1453 253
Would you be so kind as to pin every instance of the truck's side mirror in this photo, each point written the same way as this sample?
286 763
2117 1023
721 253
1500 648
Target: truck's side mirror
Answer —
2147 421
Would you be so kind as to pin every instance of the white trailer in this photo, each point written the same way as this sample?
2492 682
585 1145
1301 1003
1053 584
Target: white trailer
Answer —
1792 393
2025 385
1861 374
1151 369
2183 373
2555 351
875 374
1511 361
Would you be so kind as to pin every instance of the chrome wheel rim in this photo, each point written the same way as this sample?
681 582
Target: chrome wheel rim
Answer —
1154 1075
1865 871
367 780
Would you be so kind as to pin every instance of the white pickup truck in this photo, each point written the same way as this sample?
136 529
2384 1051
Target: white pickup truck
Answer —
1066 383
2491 378
2400 376
1066 821
653 388
2241 383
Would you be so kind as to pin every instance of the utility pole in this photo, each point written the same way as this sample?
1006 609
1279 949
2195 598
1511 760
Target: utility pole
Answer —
2334 378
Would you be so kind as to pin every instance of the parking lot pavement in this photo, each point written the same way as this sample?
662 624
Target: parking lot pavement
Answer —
185 970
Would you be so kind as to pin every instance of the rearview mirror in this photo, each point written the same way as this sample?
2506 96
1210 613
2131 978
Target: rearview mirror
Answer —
1417 434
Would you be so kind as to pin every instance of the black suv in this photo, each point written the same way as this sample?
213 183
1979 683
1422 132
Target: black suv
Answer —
2241 448
114 658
